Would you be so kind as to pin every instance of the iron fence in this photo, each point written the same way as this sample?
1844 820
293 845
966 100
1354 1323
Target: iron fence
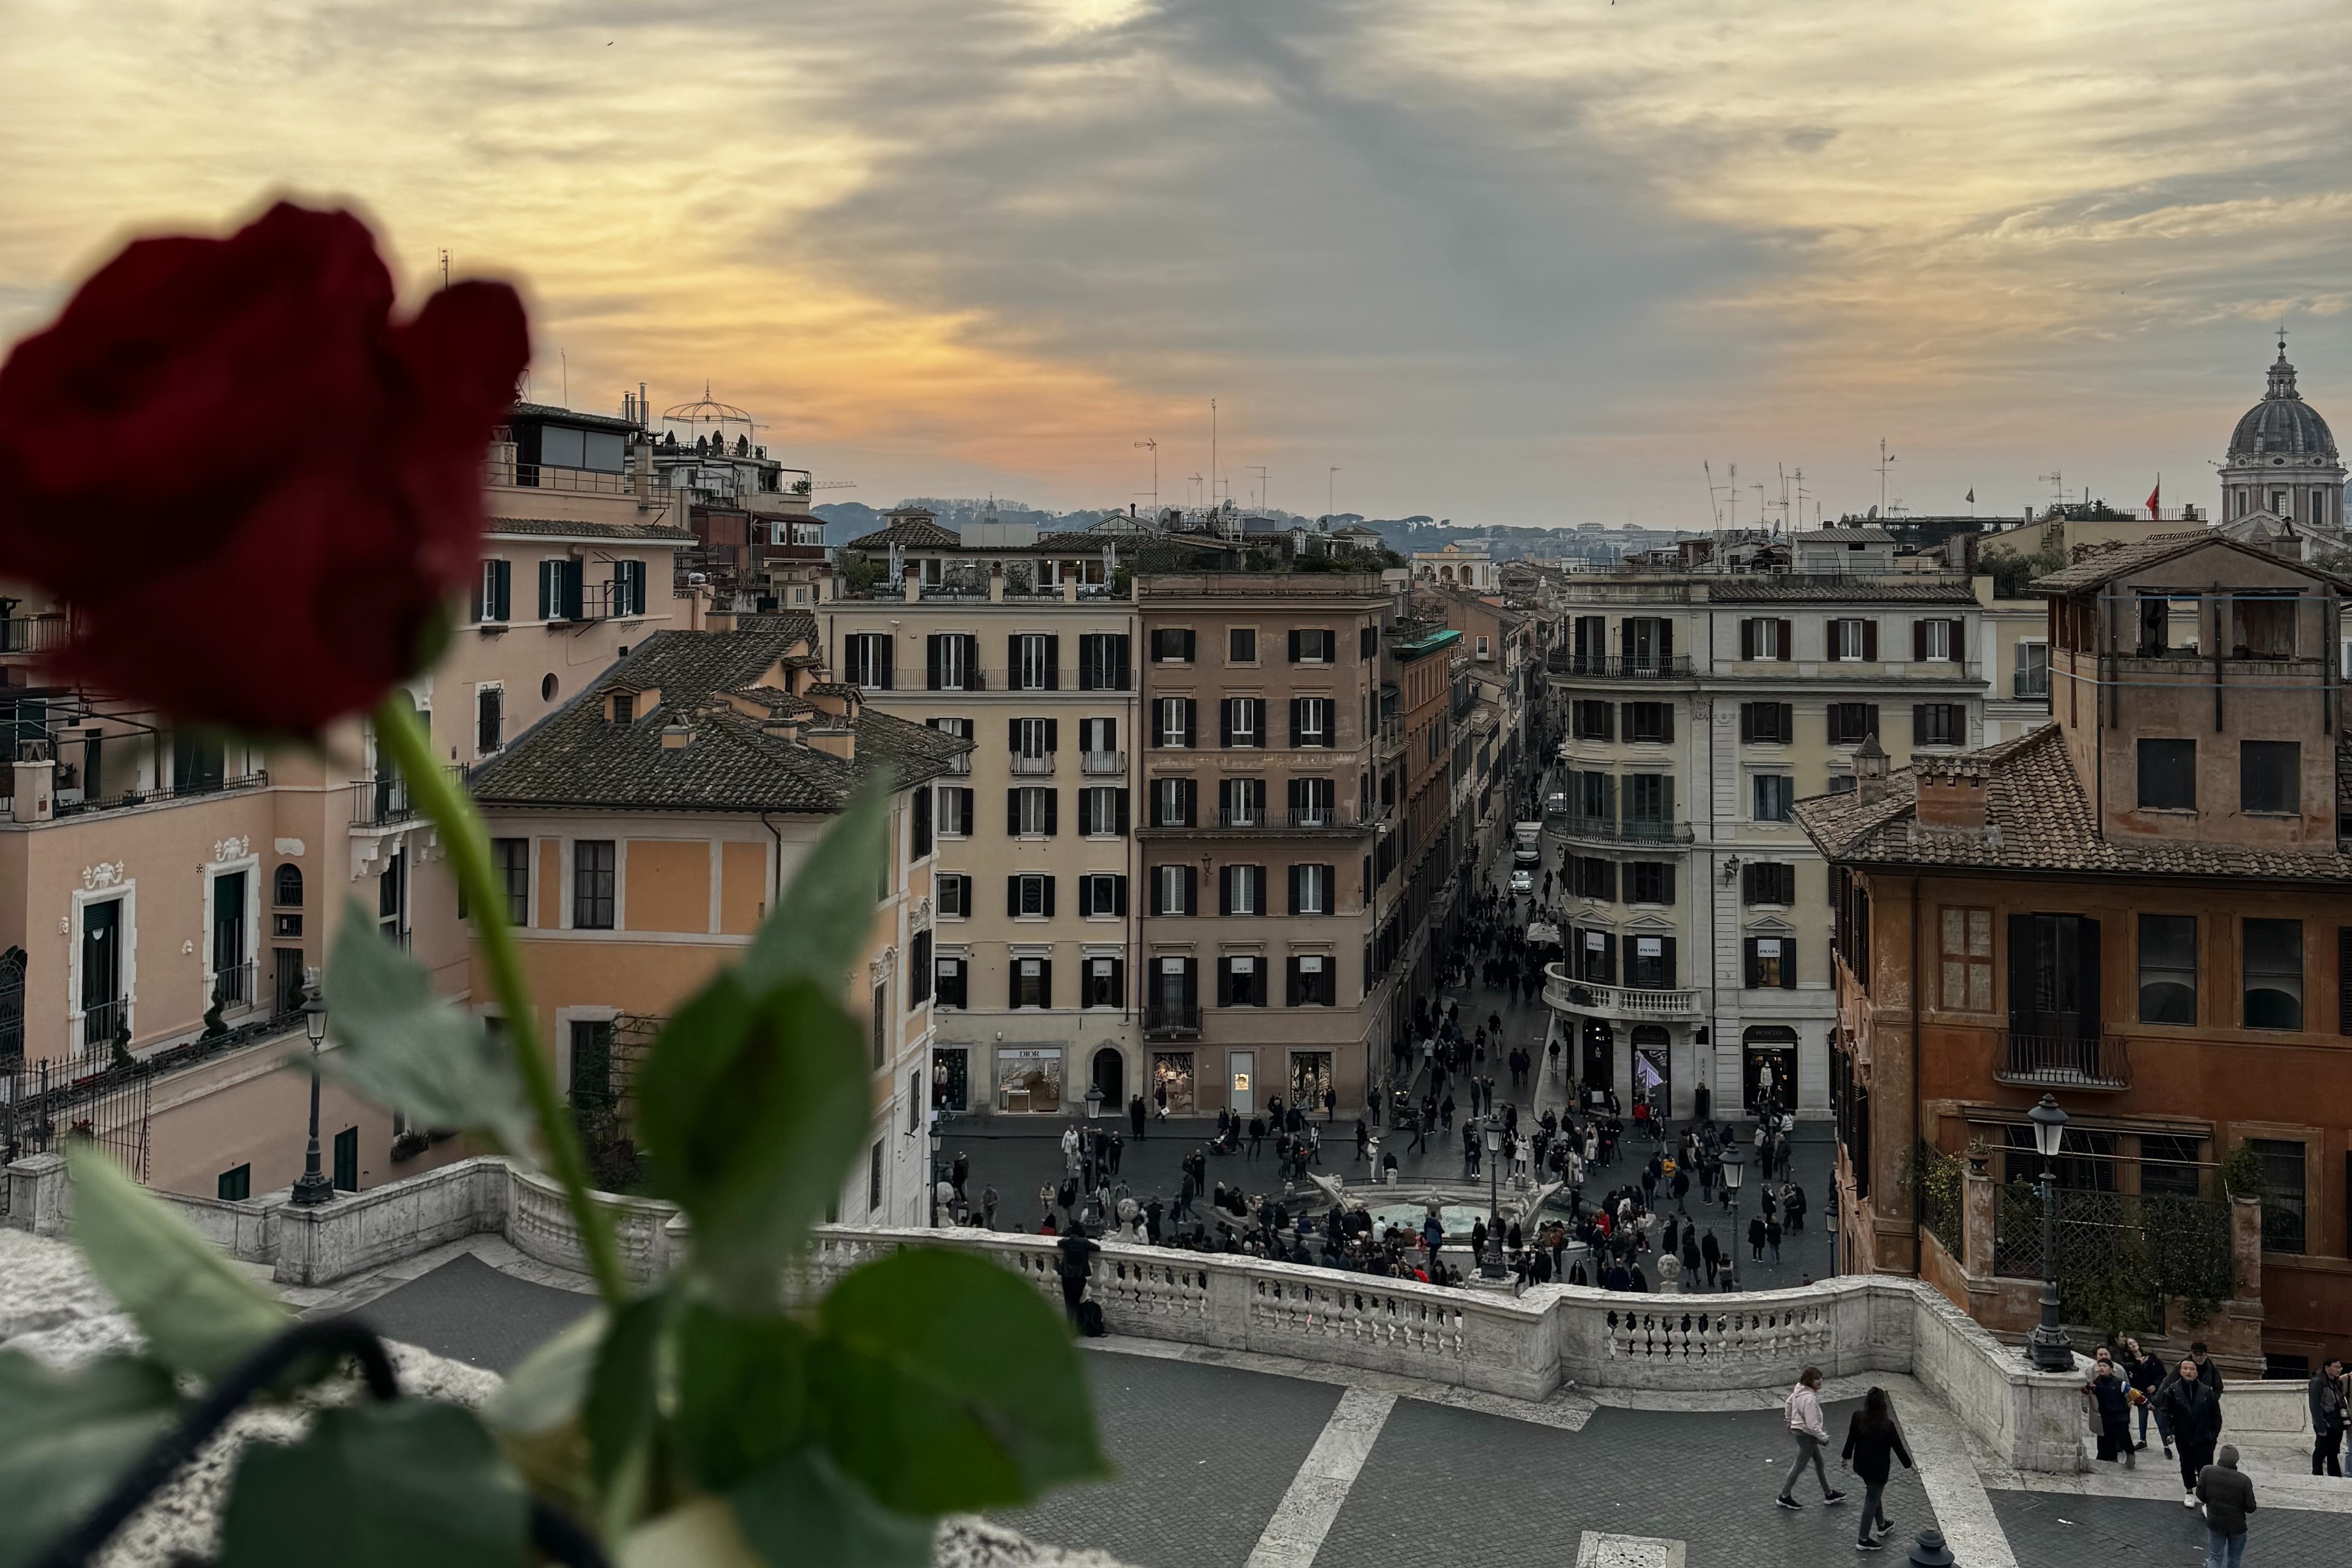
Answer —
2119 1255
44 1104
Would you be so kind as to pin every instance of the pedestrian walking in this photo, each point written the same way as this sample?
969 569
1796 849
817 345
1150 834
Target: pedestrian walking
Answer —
1772 1237
2110 1393
1076 1252
2227 1494
2329 1409
2192 1408
988 1205
1046 1199
1135 1116
2145 1370
1872 1440
1712 1251
959 1173
1804 1412
1755 1239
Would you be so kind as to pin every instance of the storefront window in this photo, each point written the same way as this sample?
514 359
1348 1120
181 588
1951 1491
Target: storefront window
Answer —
1029 1079
1311 1076
1173 1070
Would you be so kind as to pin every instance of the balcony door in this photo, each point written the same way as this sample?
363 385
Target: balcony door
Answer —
101 971
231 984
2054 977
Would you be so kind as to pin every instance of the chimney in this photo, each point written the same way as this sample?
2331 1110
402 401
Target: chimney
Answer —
676 737
914 582
1952 798
842 742
996 581
35 795
1870 770
1070 590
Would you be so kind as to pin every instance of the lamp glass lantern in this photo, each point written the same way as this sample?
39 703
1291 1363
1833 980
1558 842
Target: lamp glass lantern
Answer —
1494 1136
1735 1166
1094 1100
2049 1128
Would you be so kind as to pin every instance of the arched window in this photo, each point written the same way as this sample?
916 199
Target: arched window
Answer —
290 887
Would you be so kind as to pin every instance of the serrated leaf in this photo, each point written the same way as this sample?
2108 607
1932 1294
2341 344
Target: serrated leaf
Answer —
752 1110
199 1314
826 916
404 1047
802 1510
742 1392
379 1486
949 1384
67 1437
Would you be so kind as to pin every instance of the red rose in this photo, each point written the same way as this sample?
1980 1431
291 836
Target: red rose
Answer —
257 491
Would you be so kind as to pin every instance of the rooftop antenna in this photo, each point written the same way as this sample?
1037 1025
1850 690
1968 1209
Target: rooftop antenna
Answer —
2057 483
1259 469
1714 507
1153 442
1731 496
1760 508
445 283
1213 475
1884 458
1800 477
1330 489
564 356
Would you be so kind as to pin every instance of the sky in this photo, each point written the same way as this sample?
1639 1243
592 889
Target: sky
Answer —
1503 262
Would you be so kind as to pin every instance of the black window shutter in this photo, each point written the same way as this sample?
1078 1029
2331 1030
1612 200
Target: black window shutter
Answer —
1052 736
1754 976
1013 811
1012 896
972 680
1185 639
1089 650
1120 648
1609 881
1294 889
1052 661
932 646
1298 705
1665 639
1786 646
2020 974
1049 881
1666 963
1191 881
1224 890
1609 721
1188 805
2086 986
1870 641
2344 986
1919 640
1746 720
1921 724
1119 894
1747 640
480 580
1012 737
1122 795
1870 709
1052 816
1667 721
1787 963
1747 883
1225 721
1293 645
1666 882
1191 720
1788 721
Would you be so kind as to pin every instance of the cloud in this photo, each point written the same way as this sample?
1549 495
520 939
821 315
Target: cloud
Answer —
1523 263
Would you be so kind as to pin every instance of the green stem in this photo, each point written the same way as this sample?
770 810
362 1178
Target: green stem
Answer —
399 731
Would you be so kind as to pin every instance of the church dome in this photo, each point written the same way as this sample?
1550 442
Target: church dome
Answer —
2282 423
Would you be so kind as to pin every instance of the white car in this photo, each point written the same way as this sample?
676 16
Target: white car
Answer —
1523 881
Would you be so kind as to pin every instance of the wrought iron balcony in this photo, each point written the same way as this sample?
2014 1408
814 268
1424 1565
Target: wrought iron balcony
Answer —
1613 830
1306 819
34 634
2059 1061
1102 765
1032 767
1617 667
1162 1022
2030 685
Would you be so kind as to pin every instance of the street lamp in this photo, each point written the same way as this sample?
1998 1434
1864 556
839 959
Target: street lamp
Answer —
313 1188
1491 1266
2052 1350
1735 1166
1094 1100
937 1139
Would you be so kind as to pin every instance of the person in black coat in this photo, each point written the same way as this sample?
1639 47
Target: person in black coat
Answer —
2191 1406
1077 1252
1872 1441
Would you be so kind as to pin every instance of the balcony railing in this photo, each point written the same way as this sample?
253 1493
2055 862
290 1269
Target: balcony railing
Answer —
383 802
1306 819
1102 765
1032 767
2059 1061
150 796
1592 997
1632 830
95 1027
1162 1022
33 634
547 476
1613 666
2030 685
231 987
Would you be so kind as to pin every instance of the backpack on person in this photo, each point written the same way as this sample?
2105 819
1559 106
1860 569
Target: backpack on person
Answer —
1090 1320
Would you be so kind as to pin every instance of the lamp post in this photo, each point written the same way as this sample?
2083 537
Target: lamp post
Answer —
2052 1350
937 1140
1735 1166
313 1188
1094 1100
1491 1266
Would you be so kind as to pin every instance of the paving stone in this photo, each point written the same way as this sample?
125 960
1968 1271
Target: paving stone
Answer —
2055 1532
468 1311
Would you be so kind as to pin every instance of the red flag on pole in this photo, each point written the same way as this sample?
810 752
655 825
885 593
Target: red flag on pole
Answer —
2155 493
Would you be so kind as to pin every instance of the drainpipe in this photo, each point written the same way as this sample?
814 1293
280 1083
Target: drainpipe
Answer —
1917 1249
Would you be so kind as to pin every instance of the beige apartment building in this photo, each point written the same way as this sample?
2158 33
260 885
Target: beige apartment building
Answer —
1697 709
1259 826
149 875
1038 917
645 830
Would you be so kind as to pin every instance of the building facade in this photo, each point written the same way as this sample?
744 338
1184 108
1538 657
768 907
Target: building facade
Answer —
1696 708
1038 996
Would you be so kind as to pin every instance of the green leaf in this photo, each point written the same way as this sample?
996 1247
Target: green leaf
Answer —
752 1111
406 1047
826 917
801 1510
67 1437
622 1395
952 1385
742 1392
379 1486
199 1314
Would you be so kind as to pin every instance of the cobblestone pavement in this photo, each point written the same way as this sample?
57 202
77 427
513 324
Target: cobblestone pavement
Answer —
2123 1533
471 1312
